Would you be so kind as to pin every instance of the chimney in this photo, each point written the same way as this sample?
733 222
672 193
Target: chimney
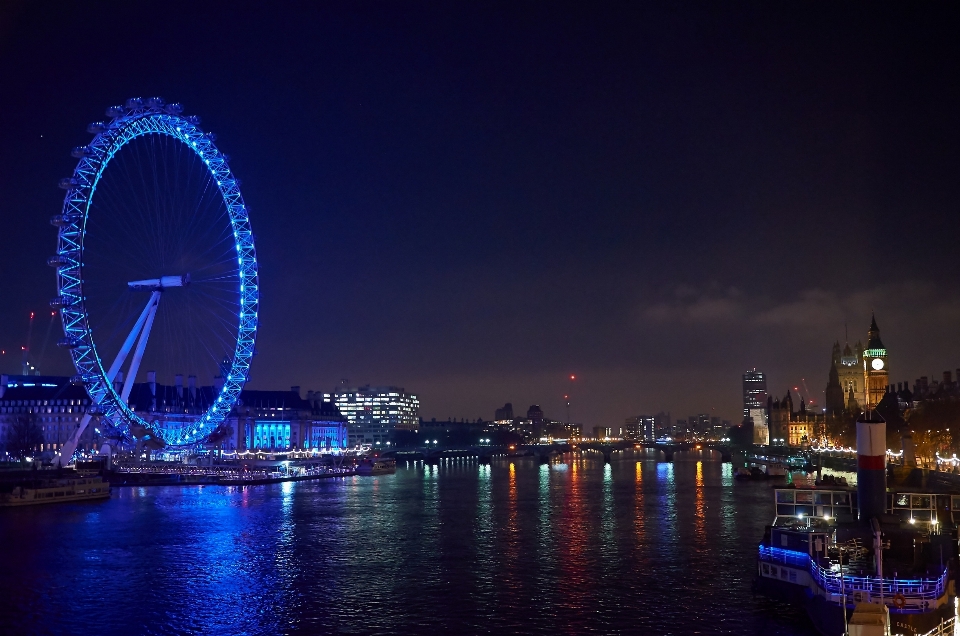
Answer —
871 465
178 383
295 389
947 380
192 385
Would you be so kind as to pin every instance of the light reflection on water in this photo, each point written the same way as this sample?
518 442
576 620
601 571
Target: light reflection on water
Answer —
570 547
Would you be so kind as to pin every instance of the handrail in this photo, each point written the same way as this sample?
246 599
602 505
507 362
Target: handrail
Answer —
922 588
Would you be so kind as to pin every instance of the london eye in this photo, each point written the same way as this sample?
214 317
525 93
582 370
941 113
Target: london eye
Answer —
156 277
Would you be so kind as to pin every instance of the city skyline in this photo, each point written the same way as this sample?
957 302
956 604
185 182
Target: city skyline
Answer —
655 201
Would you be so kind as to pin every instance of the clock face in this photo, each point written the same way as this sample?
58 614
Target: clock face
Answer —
877 364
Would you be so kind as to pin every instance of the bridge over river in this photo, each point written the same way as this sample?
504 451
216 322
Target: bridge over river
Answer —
614 450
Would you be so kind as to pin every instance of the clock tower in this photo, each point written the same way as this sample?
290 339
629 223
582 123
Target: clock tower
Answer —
875 371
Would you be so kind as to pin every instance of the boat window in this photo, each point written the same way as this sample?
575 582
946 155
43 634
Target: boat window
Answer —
822 498
785 496
901 501
805 496
920 501
841 499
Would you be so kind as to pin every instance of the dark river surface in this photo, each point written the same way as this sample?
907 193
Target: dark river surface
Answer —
576 547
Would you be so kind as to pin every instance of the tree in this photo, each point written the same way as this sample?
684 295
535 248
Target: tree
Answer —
23 436
841 429
936 427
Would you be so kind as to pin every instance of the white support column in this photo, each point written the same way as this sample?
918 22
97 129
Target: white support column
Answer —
146 316
128 343
141 345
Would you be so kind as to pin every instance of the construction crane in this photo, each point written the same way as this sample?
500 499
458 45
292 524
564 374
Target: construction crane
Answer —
26 349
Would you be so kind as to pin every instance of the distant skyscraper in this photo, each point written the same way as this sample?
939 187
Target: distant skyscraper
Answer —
754 391
506 413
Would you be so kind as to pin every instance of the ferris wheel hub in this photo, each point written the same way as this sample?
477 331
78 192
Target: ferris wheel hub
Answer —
159 284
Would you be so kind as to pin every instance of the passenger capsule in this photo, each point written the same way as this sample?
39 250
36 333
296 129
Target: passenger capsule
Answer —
210 136
173 109
63 219
76 379
96 127
155 102
68 343
57 260
81 151
115 111
134 103
68 183
194 119
60 301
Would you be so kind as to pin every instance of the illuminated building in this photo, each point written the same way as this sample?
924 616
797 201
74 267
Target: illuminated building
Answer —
761 429
754 391
875 370
261 420
849 367
53 404
791 428
373 412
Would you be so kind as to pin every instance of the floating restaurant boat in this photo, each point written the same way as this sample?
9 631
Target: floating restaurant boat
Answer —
374 466
883 561
57 491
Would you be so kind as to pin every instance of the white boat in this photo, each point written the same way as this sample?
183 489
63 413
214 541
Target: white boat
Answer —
56 491
371 466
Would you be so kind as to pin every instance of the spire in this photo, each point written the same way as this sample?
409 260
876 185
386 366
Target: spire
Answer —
873 336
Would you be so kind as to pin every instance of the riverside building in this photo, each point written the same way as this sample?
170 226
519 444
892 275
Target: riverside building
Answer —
51 403
373 412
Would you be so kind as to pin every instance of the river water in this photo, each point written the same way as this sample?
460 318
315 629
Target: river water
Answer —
577 547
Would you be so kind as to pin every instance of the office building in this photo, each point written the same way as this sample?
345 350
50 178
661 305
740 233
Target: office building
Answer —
754 391
373 412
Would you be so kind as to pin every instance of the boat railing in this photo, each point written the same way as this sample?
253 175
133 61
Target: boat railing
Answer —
922 589
945 628
787 557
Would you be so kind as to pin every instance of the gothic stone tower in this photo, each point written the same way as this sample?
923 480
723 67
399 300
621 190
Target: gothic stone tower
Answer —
850 375
875 372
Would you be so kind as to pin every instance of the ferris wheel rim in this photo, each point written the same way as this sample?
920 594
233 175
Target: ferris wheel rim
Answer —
136 120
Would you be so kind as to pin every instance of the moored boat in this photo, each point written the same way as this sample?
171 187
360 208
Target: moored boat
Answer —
57 491
846 553
376 466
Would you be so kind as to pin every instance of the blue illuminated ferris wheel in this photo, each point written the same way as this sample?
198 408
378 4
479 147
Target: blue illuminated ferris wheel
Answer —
155 245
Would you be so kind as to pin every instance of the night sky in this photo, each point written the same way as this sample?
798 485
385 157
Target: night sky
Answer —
474 201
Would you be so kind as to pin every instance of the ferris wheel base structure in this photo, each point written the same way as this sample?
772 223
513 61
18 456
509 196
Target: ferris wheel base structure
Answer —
151 120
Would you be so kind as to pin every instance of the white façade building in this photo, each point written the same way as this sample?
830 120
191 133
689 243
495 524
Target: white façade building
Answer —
373 412
51 403
261 420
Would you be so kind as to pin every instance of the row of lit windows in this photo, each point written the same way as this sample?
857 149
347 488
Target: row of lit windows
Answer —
45 402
